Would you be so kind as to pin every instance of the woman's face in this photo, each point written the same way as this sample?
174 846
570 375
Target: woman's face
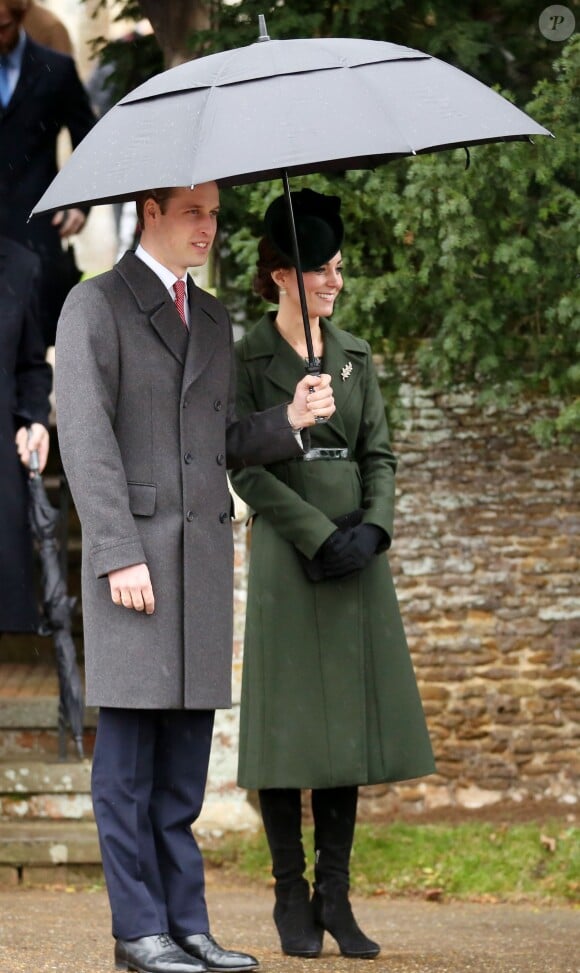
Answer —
322 286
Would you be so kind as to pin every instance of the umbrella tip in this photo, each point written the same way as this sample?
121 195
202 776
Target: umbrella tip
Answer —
263 36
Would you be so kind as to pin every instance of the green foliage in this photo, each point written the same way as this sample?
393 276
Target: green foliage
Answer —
132 60
498 43
473 272
463 861
129 61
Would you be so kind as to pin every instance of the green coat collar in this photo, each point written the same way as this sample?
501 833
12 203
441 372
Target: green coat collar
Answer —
286 367
345 360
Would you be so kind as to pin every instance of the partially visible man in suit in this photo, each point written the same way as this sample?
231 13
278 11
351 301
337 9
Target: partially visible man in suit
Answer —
40 94
145 396
25 383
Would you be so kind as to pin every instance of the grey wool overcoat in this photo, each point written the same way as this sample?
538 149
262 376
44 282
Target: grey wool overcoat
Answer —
329 696
146 423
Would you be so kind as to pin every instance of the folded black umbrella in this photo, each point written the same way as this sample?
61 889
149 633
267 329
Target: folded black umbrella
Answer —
58 607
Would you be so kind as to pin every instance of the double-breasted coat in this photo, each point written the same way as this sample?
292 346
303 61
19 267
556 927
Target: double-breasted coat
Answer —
329 696
145 416
25 383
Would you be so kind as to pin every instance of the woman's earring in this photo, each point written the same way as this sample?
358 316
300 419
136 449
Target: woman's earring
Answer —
281 291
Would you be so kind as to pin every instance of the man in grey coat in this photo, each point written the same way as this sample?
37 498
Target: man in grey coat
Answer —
145 412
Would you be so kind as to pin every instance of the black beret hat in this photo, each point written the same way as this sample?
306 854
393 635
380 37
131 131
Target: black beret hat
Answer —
318 227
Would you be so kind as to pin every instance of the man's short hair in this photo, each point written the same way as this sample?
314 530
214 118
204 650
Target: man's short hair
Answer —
161 197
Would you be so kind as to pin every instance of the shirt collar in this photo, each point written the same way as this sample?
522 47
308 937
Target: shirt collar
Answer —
166 276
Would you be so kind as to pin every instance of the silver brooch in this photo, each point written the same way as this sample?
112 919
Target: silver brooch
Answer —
346 372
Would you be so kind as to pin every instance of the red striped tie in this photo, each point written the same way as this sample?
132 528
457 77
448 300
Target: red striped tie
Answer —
179 289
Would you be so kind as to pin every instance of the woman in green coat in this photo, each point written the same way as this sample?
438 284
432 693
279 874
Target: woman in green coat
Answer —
329 697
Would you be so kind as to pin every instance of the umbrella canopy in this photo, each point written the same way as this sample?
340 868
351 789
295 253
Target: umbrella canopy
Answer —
290 106
279 108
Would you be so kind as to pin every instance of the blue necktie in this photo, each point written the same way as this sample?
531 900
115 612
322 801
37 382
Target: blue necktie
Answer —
5 92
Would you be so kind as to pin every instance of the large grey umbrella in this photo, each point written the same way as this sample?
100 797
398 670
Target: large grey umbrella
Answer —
279 108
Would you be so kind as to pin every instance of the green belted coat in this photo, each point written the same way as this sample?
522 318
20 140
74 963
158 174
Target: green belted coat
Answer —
329 696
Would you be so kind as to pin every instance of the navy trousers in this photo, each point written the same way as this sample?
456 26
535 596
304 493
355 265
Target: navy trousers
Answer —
148 782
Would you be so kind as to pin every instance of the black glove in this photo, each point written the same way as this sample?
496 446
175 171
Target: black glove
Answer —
350 550
333 554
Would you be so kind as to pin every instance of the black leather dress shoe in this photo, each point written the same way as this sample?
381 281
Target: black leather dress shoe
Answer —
217 959
155 954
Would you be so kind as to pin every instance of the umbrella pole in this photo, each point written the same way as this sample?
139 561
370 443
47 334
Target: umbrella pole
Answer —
312 368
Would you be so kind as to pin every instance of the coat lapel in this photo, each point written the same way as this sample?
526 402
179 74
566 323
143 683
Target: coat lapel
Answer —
286 368
342 357
30 70
203 338
154 300
343 362
282 365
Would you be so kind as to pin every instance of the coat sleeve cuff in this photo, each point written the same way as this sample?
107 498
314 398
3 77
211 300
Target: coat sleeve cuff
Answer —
112 557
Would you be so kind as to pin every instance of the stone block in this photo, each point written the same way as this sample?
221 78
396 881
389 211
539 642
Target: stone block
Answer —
224 815
476 797
33 777
63 876
48 843
8 875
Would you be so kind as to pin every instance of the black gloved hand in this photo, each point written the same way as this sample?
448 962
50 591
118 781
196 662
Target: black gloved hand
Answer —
366 541
350 550
333 554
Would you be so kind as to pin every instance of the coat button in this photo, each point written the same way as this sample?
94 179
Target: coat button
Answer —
189 516
220 459
217 405
185 403
223 518
187 457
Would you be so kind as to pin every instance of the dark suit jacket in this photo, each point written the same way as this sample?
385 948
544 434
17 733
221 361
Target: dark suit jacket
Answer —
49 96
25 381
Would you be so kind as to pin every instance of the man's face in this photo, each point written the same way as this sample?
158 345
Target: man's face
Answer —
9 27
182 236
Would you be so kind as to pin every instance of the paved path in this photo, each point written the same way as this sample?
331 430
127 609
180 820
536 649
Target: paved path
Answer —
51 931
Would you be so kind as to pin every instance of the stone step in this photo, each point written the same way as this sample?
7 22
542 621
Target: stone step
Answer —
36 712
49 843
37 744
29 723
29 731
45 790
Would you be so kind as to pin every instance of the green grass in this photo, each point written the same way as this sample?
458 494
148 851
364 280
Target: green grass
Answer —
520 862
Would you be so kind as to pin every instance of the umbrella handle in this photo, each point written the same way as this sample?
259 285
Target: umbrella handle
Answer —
313 366
299 278
34 464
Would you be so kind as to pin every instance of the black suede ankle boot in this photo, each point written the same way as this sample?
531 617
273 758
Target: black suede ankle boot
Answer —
333 911
334 811
294 918
282 817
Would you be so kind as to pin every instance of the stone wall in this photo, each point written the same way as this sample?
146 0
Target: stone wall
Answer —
486 569
485 560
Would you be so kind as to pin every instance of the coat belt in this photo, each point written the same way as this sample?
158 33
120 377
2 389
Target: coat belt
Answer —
323 453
